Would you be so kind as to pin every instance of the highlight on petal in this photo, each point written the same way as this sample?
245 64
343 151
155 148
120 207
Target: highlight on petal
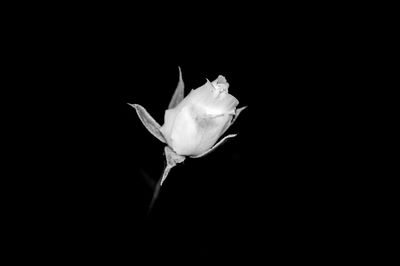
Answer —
184 134
210 99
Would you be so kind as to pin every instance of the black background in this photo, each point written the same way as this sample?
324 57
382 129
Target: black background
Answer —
273 191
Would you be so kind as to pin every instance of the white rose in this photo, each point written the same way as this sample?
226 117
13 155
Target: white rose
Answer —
192 125
196 123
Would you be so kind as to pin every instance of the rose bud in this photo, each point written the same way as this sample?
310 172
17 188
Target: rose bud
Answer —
193 126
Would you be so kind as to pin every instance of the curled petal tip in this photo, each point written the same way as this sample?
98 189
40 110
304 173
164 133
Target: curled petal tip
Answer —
221 79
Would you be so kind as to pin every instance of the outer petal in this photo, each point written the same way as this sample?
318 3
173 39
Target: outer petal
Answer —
169 120
211 134
184 134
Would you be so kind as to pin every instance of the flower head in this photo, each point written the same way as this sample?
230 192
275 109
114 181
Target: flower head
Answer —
196 123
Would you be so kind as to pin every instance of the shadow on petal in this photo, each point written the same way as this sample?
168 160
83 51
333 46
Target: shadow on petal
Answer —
228 125
215 146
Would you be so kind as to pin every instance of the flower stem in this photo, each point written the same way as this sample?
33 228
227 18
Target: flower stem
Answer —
158 187
171 160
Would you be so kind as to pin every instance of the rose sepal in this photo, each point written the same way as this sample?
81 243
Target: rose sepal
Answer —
149 122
